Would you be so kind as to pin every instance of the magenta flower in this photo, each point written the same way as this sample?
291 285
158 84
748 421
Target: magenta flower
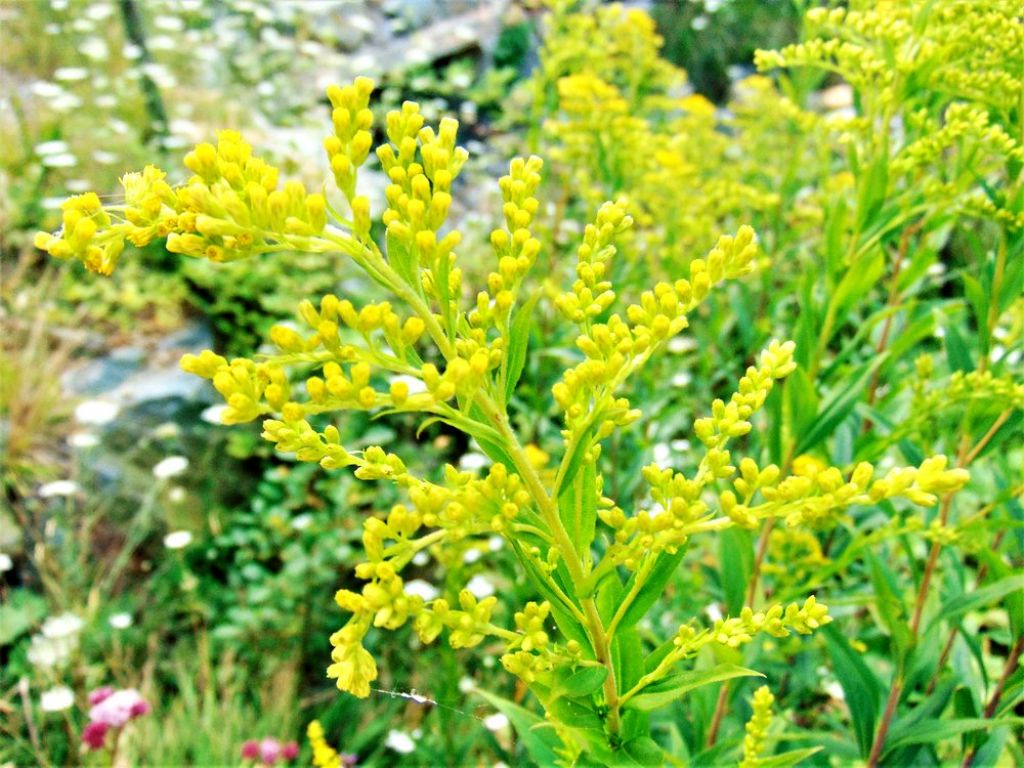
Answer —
100 694
117 708
94 735
251 750
268 751
111 710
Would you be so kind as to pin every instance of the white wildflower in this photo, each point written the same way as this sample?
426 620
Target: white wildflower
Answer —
480 587
57 699
177 539
83 440
96 412
496 722
471 462
64 160
71 73
662 453
170 467
415 385
214 414
59 488
421 588
46 90
400 741
55 147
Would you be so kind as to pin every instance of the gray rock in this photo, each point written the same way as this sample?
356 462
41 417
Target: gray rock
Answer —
103 374
192 337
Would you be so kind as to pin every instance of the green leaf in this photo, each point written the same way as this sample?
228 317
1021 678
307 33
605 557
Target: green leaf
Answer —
562 613
835 230
860 686
977 298
580 682
576 713
934 731
979 598
402 259
999 568
535 734
667 690
19 613
628 658
909 336
890 606
839 405
990 750
957 353
786 759
441 282
577 507
931 708
858 281
807 323
801 401
519 337
642 750
873 188
737 552
652 588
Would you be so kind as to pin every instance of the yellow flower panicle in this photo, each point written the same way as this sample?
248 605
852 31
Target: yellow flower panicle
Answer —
949 77
454 366
757 727
350 145
86 234
230 209
324 755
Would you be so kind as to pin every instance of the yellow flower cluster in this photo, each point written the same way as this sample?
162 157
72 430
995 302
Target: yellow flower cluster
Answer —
615 349
86 234
515 247
757 727
350 145
777 621
372 358
324 755
794 556
889 45
621 126
945 76
615 44
230 209
421 166
464 507
814 495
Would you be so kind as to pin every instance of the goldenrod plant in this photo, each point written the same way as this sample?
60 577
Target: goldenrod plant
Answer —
934 142
455 355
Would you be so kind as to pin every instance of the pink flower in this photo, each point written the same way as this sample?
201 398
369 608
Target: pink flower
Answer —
94 735
289 751
270 750
100 694
140 708
117 708
251 750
